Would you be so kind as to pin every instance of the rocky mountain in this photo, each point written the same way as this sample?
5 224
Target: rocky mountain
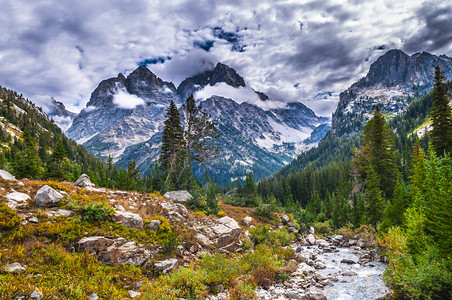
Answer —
59 114
124 119
393 80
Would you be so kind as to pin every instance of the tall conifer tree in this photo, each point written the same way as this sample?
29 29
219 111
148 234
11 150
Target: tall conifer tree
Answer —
441 114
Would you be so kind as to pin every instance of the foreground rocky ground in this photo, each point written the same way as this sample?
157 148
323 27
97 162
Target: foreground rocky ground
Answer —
132 238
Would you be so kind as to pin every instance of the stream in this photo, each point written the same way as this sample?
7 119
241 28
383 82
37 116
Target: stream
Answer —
331 272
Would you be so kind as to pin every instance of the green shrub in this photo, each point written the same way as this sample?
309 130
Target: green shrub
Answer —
262 235
323 228
218 269
170 242
8 217
264 210
96 212
243 291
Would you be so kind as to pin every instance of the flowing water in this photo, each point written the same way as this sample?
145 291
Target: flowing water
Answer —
366 284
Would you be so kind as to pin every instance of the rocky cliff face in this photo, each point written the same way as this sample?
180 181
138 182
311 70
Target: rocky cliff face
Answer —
392 81
58 112
124 119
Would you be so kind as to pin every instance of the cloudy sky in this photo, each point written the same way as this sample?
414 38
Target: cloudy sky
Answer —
291 50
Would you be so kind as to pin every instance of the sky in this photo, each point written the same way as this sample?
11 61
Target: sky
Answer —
290 50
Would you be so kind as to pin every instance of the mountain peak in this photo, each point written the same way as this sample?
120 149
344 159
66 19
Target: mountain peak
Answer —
226 74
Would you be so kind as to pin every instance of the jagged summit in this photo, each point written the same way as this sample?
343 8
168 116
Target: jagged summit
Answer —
221 73
393 79
397 68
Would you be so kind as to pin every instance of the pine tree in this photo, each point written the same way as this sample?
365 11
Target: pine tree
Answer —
199 133
172 153
374 201
378 153
441 115
58 167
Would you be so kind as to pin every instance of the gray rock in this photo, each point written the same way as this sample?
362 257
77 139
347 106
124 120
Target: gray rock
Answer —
47 196
129 219
313 295
310 239
93 296
7 176
348 261
154 225
311 230
319 264
284 219
14 267
164 266
292 229
59 212
352 242
349 273
175 207
247 220
84 181
37 294
16 199
133 294
178 196
33 220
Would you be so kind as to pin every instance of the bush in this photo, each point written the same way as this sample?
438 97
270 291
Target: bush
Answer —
8 217
264 210
96 212
218 269
346 231
243 291
262 235
264 277
323 228
170 242
56 185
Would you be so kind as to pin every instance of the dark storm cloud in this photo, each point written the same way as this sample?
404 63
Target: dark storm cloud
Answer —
437 32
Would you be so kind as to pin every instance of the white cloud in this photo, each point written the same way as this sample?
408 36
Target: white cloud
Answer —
65 48
122 99
239 95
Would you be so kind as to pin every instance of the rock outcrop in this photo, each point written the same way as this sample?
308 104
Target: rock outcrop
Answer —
115 252
7 176
17 199
225 233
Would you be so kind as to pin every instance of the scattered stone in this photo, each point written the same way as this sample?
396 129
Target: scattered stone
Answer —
93 296
292 229
47 196
164 266
284 219
37 294
128 219
154 225
319 264
348 261
20 183
120 208
352 242
6 175
134 294
16 199
247 220
33 220
178 196
180 209
310 239
59 212
349 273
14 267
84 181
313 295
311 230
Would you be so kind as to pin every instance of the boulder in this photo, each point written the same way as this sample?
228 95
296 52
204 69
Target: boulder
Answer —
178 196
311 230
304 269
129 219
313 295
284 219
84 181
310 239
348 261
176 207
14 267
47 196
154 225
164 266
16 199
225 232
59 212
115 252
292 229
247 220
6 175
